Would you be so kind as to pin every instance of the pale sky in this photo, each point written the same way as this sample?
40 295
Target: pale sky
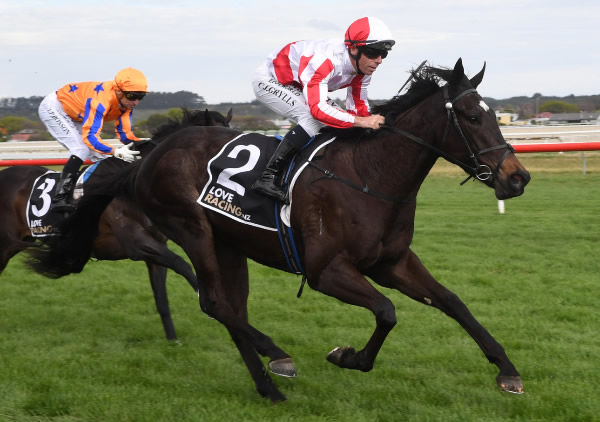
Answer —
212 47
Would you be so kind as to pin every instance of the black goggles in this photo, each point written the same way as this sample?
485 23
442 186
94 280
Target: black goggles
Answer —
134 95
373 53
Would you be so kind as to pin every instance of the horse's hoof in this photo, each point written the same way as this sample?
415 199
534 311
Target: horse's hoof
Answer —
337 354
510 384
273 394
283 367
278 397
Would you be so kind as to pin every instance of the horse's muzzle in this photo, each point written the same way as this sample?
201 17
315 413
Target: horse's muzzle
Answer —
512 183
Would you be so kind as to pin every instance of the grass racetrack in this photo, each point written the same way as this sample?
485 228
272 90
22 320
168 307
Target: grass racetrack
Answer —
90 347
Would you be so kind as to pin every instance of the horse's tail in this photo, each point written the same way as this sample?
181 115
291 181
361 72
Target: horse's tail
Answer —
69 252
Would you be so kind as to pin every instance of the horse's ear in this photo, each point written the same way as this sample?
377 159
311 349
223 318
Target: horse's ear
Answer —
229 115
459 71
207 118
476 80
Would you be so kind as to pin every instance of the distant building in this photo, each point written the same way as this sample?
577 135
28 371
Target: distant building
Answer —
541 119
22 135
282 124
581 117
506 118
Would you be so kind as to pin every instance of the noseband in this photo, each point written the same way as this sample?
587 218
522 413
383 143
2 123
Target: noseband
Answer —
476 169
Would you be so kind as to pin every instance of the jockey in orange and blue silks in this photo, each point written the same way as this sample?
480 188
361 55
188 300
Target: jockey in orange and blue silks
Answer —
295 82
91 104
75 114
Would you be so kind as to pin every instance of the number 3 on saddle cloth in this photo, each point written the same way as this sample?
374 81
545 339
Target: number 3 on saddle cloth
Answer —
41 220
231 173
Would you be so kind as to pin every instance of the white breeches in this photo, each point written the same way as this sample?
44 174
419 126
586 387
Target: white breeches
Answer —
65 130
286 100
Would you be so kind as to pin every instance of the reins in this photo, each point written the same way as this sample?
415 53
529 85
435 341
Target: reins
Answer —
364 189
479 171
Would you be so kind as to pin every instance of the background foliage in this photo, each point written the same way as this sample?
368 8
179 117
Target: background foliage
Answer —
156 107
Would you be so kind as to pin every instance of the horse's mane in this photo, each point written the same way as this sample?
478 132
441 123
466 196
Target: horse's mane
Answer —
424 83
190 118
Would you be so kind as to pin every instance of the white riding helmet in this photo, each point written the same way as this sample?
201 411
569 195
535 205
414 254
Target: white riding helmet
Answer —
371 32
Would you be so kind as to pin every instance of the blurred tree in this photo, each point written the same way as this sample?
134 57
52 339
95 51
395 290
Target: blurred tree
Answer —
153 122
12 124
252 123
526 110
175 114
162 100
556 106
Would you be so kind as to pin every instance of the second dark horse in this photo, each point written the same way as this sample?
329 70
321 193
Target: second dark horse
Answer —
124 232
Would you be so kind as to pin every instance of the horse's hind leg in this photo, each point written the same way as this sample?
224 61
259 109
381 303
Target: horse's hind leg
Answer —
9 248
158 281
412 278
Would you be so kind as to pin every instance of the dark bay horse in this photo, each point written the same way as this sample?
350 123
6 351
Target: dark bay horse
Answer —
124 232
352 217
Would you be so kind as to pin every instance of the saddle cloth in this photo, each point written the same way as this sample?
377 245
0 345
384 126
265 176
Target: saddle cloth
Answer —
41 220
235 168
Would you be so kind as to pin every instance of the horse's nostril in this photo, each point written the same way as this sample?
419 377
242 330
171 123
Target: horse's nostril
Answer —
519 179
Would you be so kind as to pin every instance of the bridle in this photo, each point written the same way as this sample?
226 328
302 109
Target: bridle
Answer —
475 170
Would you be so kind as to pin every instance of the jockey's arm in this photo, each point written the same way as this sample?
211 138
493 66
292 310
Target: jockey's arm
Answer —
374 121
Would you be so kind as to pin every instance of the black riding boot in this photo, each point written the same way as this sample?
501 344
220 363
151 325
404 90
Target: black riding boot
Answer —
64 191
269 183
62 200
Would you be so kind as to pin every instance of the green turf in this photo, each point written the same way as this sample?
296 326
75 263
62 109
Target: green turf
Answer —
90 347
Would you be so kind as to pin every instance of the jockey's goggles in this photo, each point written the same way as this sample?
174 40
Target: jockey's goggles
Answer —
373 53
134 95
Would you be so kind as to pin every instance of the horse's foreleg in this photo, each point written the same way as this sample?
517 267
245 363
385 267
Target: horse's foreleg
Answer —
234 279
412 278
238 328
343 281
158 281
264 384
219 282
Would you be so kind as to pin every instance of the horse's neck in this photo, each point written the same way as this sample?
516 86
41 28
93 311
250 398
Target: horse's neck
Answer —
398 164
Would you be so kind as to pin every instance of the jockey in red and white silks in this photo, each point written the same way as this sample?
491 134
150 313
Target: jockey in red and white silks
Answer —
295 82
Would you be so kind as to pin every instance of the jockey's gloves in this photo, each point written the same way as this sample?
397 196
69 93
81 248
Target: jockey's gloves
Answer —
126 154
